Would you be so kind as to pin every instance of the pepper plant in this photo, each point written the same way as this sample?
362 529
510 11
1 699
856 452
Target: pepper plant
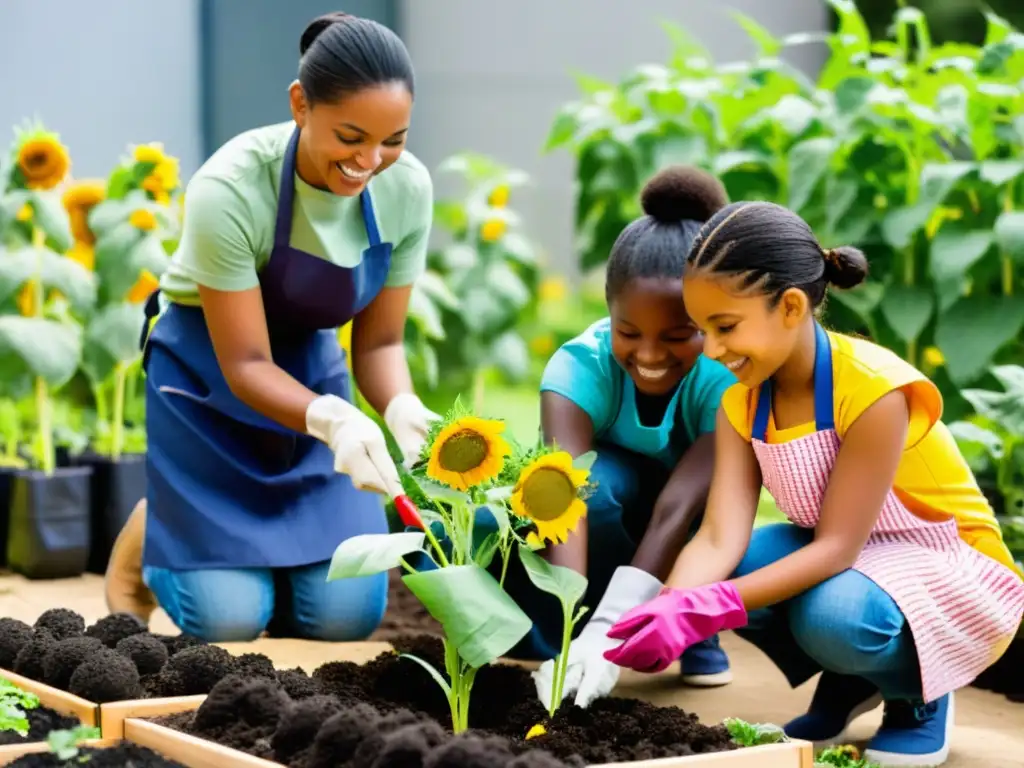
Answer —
912 151
468 467
13 703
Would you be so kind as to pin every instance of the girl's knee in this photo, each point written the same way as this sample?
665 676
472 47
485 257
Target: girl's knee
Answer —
340 611
848 624
219 606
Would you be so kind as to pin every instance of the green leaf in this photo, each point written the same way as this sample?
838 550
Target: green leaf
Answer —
767 44
1000 172
433 672
112 337
680 150
498 510
486 549
107 214
50 216
425 313
511 356
564 583
563 130
55 271
442 493
954 250
1009 234
862 300
808 162
39 347
371 553
478 617
852 94
907 309
971 332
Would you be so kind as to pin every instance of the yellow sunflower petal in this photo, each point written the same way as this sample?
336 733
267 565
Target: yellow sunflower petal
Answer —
143 219
468 452
492 230
149 153
144 286
79 199
84 254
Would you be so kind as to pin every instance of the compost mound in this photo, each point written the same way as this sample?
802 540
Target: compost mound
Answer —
390 713
122 755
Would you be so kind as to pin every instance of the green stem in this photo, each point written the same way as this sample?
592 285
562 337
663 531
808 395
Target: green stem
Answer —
434 543
504 566
48 456
1008 276
101 403
117 426
562 663
479 376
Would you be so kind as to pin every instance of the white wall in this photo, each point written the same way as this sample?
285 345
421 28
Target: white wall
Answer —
104 74
491 76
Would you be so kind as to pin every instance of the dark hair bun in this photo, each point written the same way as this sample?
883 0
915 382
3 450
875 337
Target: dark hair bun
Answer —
845 266
318 25
682 192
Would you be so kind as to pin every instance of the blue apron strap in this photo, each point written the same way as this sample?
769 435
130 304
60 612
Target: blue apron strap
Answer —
369 220
152 312
286 195
764 408
824 413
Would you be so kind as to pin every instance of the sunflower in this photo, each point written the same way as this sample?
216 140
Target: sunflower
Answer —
79 199
468 451
42 160
149 153
83 253
144 286
143 219
548 493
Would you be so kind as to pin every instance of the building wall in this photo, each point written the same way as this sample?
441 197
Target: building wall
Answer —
493 74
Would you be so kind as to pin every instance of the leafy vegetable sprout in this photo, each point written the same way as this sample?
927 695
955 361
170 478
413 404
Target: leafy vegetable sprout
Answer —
469 469
13 703
843 756
754 734
64 744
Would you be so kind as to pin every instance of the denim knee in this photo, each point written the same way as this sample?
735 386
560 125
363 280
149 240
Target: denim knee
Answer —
218 606
337 611
848 624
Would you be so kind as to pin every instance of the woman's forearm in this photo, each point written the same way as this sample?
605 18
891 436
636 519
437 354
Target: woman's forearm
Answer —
705 561
272 391
792 575
381 373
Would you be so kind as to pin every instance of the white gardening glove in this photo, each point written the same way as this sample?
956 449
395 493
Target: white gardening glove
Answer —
360 450
589 673
409 421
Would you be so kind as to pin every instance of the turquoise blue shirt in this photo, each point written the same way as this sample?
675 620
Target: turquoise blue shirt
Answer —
584 371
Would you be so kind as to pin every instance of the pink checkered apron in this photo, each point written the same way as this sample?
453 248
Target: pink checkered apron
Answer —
962 606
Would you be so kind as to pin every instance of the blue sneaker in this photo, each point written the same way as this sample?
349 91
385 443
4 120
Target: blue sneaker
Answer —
838 700
913 734
705 665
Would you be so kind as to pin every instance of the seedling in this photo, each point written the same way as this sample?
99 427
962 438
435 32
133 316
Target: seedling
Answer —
13 703
64 744
843 756
754 734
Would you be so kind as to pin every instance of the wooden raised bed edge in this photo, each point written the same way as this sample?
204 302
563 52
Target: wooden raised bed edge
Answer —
114 714
11 752
54 698
201 753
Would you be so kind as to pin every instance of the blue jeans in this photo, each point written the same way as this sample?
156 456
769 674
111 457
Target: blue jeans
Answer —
226 605
618 513
847 624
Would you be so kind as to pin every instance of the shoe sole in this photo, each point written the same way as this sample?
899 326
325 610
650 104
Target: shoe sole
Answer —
713 680
931 760
863 708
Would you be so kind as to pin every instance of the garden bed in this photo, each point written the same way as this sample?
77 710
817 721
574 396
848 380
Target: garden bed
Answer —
389 712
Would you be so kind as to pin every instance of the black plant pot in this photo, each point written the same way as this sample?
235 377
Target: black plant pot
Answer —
117 486
48 527
6 475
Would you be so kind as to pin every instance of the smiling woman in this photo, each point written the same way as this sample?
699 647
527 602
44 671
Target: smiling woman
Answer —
259 465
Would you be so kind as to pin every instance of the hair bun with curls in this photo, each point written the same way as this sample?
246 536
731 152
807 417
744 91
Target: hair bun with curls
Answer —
682 193
845 266
317 26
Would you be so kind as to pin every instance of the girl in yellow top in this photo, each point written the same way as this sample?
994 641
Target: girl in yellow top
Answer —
891 576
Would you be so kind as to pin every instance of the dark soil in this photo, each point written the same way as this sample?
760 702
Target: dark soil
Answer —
125 754
390 712
41 721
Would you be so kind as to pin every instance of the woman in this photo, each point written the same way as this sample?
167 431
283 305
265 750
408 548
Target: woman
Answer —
635 388
259 465
891 576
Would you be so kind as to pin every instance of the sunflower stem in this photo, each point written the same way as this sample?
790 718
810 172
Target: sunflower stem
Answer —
562 663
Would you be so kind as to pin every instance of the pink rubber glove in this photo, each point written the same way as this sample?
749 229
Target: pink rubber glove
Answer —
658 631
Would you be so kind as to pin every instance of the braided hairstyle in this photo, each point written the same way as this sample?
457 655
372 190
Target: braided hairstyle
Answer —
676 201
770 249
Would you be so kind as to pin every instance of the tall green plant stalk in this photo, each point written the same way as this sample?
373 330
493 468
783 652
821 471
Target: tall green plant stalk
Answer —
44 408
117 423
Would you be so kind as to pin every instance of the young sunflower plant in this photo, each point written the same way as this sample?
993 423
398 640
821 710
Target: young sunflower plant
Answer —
469 471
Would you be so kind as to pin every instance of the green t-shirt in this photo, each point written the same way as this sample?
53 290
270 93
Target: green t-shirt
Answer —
231 209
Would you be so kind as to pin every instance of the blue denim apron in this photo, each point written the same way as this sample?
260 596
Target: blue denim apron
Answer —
227 486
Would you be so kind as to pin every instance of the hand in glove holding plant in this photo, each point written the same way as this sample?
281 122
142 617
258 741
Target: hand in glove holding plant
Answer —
588 672
409 421
360 450
657 632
